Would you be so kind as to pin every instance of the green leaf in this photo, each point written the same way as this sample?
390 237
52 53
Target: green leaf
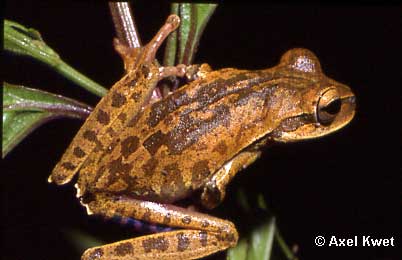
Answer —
257 245
81 240
25 109
261 242
262 238
28 42
239 252
184 43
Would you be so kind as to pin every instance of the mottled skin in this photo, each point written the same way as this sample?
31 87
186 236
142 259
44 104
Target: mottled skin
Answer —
196 138
109 116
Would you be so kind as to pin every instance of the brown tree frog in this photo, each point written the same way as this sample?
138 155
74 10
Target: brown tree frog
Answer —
136 158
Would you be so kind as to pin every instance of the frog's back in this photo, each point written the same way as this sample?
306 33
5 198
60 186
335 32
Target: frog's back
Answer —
174 145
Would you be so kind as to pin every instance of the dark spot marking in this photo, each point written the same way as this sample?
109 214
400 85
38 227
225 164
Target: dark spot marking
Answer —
120 171
58 178
79 152
117 166
145 71
160 110
136 96
124 249
167 219
211 92
95 254
157 243
219 88
291 124
122 117
90 135
221 148
205 223
118 99
132 82
103 117
231 237
182 242
203 238
163 108
186 220
137 75
149 167
154 142
200 172
189 129
220 237
111 132
225 235
129 145
68 166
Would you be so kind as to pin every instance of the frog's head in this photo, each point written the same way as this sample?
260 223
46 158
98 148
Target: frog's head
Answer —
317 104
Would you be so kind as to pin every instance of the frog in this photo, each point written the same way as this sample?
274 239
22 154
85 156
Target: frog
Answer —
137 157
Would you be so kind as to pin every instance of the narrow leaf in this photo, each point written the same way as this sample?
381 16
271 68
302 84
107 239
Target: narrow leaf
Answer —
261 241
81 240
239 252
25 109
28 42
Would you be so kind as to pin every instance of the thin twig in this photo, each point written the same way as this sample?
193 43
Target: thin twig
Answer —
124 24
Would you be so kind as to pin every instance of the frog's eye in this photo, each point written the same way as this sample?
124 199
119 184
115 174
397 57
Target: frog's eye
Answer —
328 106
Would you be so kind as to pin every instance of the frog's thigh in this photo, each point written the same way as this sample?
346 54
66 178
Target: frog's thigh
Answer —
202 234
214 190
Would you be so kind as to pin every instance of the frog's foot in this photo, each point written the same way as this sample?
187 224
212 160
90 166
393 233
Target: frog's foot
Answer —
201 235
127 54
146 54
214 190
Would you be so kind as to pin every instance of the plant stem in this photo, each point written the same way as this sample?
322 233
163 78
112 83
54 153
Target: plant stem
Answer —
124 24
80 79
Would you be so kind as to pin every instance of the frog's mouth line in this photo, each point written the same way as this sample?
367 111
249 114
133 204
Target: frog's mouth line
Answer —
305 126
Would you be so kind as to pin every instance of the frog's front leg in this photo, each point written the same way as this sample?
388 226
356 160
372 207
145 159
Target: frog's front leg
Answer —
201 235
214 190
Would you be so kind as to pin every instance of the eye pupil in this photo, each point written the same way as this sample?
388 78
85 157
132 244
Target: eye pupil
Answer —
328 107
333 108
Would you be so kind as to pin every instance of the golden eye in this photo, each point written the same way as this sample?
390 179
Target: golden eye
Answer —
328 106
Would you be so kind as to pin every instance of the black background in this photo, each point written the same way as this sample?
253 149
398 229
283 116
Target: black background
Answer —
345 184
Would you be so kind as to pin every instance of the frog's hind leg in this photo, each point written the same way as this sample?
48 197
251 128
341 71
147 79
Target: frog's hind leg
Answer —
214 190
201 235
